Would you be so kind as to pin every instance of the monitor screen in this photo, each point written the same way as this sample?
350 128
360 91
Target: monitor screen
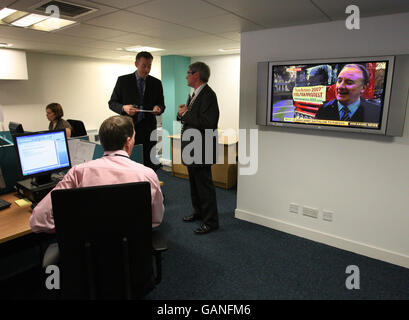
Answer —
42 153
346 93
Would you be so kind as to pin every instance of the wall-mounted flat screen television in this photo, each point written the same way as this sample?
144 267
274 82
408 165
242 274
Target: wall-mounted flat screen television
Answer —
350 94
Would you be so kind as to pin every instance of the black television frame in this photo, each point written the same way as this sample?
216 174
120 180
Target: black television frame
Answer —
395 96
41 178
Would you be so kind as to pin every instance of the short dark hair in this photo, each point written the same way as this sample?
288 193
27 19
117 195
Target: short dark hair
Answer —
365 72
56 108
202 68
143 54
114 131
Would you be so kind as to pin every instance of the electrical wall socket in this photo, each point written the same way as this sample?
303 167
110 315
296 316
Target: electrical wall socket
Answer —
310 212
327 215
294 207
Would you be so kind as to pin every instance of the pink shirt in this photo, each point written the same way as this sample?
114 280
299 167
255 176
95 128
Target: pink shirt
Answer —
109 169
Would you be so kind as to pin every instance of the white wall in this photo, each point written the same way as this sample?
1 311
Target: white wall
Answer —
82 86
306 166
225 81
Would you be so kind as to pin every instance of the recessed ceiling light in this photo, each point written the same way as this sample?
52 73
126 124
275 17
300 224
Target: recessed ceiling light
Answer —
229 50
6 12
52 24
139 49
5 45
29 20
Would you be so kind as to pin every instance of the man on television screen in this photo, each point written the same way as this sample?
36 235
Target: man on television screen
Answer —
349 105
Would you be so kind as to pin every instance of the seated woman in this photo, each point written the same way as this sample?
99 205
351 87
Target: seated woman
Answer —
54 115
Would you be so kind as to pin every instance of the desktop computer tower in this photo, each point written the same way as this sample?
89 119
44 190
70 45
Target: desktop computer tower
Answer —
32 192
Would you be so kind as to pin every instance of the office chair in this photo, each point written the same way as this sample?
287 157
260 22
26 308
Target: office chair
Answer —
105 241
78 128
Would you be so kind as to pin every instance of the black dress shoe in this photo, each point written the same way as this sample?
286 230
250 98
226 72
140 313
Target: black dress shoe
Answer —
204 228
192 217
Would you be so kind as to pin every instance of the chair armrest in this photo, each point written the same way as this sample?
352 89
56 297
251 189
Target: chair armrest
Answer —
159 243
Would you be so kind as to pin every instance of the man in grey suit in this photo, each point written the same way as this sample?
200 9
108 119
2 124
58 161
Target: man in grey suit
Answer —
200 117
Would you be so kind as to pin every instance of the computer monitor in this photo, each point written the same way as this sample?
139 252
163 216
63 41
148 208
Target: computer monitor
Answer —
15 128
41 153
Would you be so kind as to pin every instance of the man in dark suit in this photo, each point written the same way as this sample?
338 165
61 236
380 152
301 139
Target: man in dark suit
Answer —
199 140
133 95
348 105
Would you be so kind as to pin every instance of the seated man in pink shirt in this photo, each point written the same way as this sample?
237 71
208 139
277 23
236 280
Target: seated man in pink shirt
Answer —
117 137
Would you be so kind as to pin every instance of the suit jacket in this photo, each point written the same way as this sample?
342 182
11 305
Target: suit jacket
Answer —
126 92
366 112
204 114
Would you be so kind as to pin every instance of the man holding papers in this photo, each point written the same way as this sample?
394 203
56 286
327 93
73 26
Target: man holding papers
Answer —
140 96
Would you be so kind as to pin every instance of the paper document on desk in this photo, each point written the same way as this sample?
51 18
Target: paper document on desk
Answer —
80 151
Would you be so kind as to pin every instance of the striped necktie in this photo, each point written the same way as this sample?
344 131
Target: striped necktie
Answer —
141 87
346 116
189 105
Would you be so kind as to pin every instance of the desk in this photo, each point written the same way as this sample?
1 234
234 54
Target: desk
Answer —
14 221
224 172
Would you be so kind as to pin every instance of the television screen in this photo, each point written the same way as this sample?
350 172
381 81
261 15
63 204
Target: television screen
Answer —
337 93
42 153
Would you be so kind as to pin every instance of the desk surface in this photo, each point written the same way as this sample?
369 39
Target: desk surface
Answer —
14 221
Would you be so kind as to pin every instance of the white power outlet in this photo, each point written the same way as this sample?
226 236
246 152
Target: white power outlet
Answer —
327 215
310 212
294 207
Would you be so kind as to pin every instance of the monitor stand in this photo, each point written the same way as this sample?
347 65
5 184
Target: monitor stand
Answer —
44 181
27 189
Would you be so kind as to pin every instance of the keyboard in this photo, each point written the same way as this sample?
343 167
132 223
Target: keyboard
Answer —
4 204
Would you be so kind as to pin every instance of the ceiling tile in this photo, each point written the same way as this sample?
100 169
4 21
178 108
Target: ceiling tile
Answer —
106 45
177 10
172 32
120 4
336 9
88 31
124 21
275 13
236 36
133 38
222 24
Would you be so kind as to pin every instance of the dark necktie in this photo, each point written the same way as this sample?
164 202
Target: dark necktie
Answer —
189 105
141 86
346 116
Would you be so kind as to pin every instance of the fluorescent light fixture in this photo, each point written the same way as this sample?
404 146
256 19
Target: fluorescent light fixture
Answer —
29 20
139 49
52 24
229 50
5 45
6 12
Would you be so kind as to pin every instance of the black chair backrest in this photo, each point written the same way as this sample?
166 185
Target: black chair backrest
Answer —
104 235
15 128
78 128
